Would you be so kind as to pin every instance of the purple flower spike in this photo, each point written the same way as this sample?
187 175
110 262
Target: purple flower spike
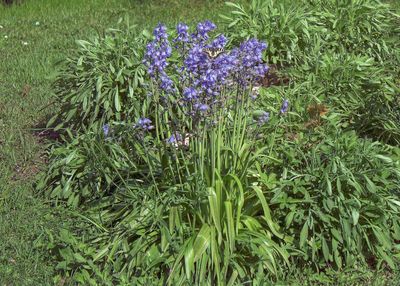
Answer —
157 53
145 124
166 83
203 28
106 129
219 42
160 32
190 93
264 118
174 138
182 31
201 107
285 106
207 75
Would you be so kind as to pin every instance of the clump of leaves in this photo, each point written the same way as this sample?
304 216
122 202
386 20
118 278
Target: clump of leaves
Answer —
365 27
338 197
84 168
175 193
357 88
283 24
101 81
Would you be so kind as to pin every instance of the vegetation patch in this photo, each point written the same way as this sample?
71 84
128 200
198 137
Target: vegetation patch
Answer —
262 152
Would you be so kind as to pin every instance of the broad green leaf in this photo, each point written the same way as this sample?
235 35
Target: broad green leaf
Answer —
202 242
117 100
267 212
325 250
230 225
303 235
355 215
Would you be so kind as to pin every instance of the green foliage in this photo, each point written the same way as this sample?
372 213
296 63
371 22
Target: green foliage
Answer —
84 168
282 24
339 197
176 214
237 203
345 51
101 81
357 89
337 194
49 28
365 27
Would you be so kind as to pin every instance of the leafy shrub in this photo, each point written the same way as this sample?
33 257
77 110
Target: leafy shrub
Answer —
357 89
182 203
101 81
187 185
84 168
364 27
325 177
338 197
284 24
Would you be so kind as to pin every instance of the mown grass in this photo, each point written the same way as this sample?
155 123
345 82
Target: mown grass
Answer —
33 38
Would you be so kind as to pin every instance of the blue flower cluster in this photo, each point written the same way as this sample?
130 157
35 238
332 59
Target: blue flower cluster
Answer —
144 124
264 118
206 70
250 64
183 33
106 130
203 28
285 106
157 53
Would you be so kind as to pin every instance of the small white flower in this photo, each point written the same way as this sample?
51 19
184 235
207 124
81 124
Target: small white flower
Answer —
5 37
37 23
1 27
25 43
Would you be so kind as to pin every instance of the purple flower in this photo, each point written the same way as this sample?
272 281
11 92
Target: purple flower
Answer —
145 124
174 138
201 107
106 129
166 83
219 42
157 53
285 106
190 93
182 31
160 32
250 66
208 75
206 80
264 118
203 28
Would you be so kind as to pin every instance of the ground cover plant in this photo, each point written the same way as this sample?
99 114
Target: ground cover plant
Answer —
196 157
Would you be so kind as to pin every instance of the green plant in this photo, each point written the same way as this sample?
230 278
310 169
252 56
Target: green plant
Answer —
101 82
84 168
49 29
200 212
283 24
147 201
364 27
357 89
338 196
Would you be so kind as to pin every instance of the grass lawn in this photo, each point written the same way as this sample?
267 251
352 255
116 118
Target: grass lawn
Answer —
33 37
